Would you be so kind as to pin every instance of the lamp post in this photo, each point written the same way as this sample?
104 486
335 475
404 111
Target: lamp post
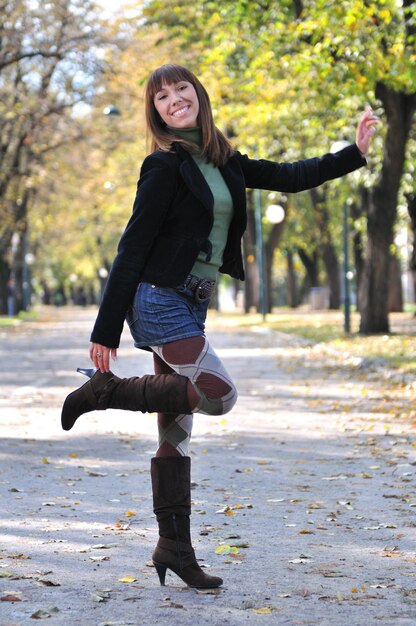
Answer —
346 272
28 261
260 252
111 110
339 145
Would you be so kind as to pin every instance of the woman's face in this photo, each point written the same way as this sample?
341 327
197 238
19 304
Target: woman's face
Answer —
177 104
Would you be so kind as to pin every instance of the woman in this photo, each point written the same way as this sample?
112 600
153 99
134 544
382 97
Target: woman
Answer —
188 219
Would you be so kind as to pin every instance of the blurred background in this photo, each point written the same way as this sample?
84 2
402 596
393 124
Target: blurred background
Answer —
288 79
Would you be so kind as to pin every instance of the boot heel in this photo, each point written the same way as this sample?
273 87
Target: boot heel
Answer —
87 371
161 572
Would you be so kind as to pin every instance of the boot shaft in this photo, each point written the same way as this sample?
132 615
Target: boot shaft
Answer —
171 486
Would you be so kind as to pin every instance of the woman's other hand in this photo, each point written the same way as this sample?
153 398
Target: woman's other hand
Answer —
100 356
366 129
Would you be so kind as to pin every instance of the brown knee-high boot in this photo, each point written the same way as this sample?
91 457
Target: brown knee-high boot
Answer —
171 485
164 393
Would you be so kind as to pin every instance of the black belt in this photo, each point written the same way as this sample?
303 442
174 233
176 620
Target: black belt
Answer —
202 288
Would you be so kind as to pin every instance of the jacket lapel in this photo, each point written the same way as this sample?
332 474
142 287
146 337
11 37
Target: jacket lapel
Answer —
198 186
194 179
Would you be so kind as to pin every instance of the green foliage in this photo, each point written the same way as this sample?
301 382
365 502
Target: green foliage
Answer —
286 80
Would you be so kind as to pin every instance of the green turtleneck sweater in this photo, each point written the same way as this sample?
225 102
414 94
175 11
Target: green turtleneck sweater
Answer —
223 209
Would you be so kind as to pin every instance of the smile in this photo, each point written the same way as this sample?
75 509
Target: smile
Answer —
181 112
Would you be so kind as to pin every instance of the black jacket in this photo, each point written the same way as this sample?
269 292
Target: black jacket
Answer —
173 217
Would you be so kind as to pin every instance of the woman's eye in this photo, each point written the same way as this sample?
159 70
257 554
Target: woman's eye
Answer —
182 87
161 97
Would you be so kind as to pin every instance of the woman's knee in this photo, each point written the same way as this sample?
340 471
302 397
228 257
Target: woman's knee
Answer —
217 405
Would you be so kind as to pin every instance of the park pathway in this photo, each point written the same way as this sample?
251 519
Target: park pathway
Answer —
304 495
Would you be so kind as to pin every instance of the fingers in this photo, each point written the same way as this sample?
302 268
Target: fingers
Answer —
100 356
369 120
366 129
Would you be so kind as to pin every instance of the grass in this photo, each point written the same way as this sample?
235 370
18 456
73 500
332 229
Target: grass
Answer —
397 349
16 320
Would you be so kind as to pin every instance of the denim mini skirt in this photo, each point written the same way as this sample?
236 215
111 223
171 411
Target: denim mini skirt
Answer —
160 315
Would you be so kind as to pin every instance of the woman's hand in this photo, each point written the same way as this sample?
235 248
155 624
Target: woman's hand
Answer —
366 129
100 356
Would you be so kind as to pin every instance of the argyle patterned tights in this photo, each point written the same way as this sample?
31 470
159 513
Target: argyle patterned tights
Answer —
210 389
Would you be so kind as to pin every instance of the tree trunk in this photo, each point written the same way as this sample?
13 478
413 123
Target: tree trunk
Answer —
4 286
310 263
395 303
251 284
411 208
270 247
332 268
329 257
356 211
292 286
381 211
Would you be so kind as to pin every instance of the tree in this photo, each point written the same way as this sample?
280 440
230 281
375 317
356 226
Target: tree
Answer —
307 60
47 66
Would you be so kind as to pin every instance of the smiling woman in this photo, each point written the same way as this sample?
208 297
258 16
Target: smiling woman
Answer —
177 104
189 216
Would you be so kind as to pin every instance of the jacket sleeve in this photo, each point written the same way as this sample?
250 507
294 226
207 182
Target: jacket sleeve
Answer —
155 191
300 175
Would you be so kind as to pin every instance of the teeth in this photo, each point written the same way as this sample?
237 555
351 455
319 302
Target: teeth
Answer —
180 111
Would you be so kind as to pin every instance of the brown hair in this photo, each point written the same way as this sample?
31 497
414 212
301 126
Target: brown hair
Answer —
215 146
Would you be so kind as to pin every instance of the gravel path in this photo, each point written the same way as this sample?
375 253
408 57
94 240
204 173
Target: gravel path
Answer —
303 497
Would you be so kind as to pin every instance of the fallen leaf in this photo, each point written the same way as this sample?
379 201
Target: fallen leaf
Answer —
209 592
18 556
47 582
117 623
265 610
95 597
129 513
303 558
118 526
45 613
45 460
226 549
338 477
10 598
127 579
91 473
